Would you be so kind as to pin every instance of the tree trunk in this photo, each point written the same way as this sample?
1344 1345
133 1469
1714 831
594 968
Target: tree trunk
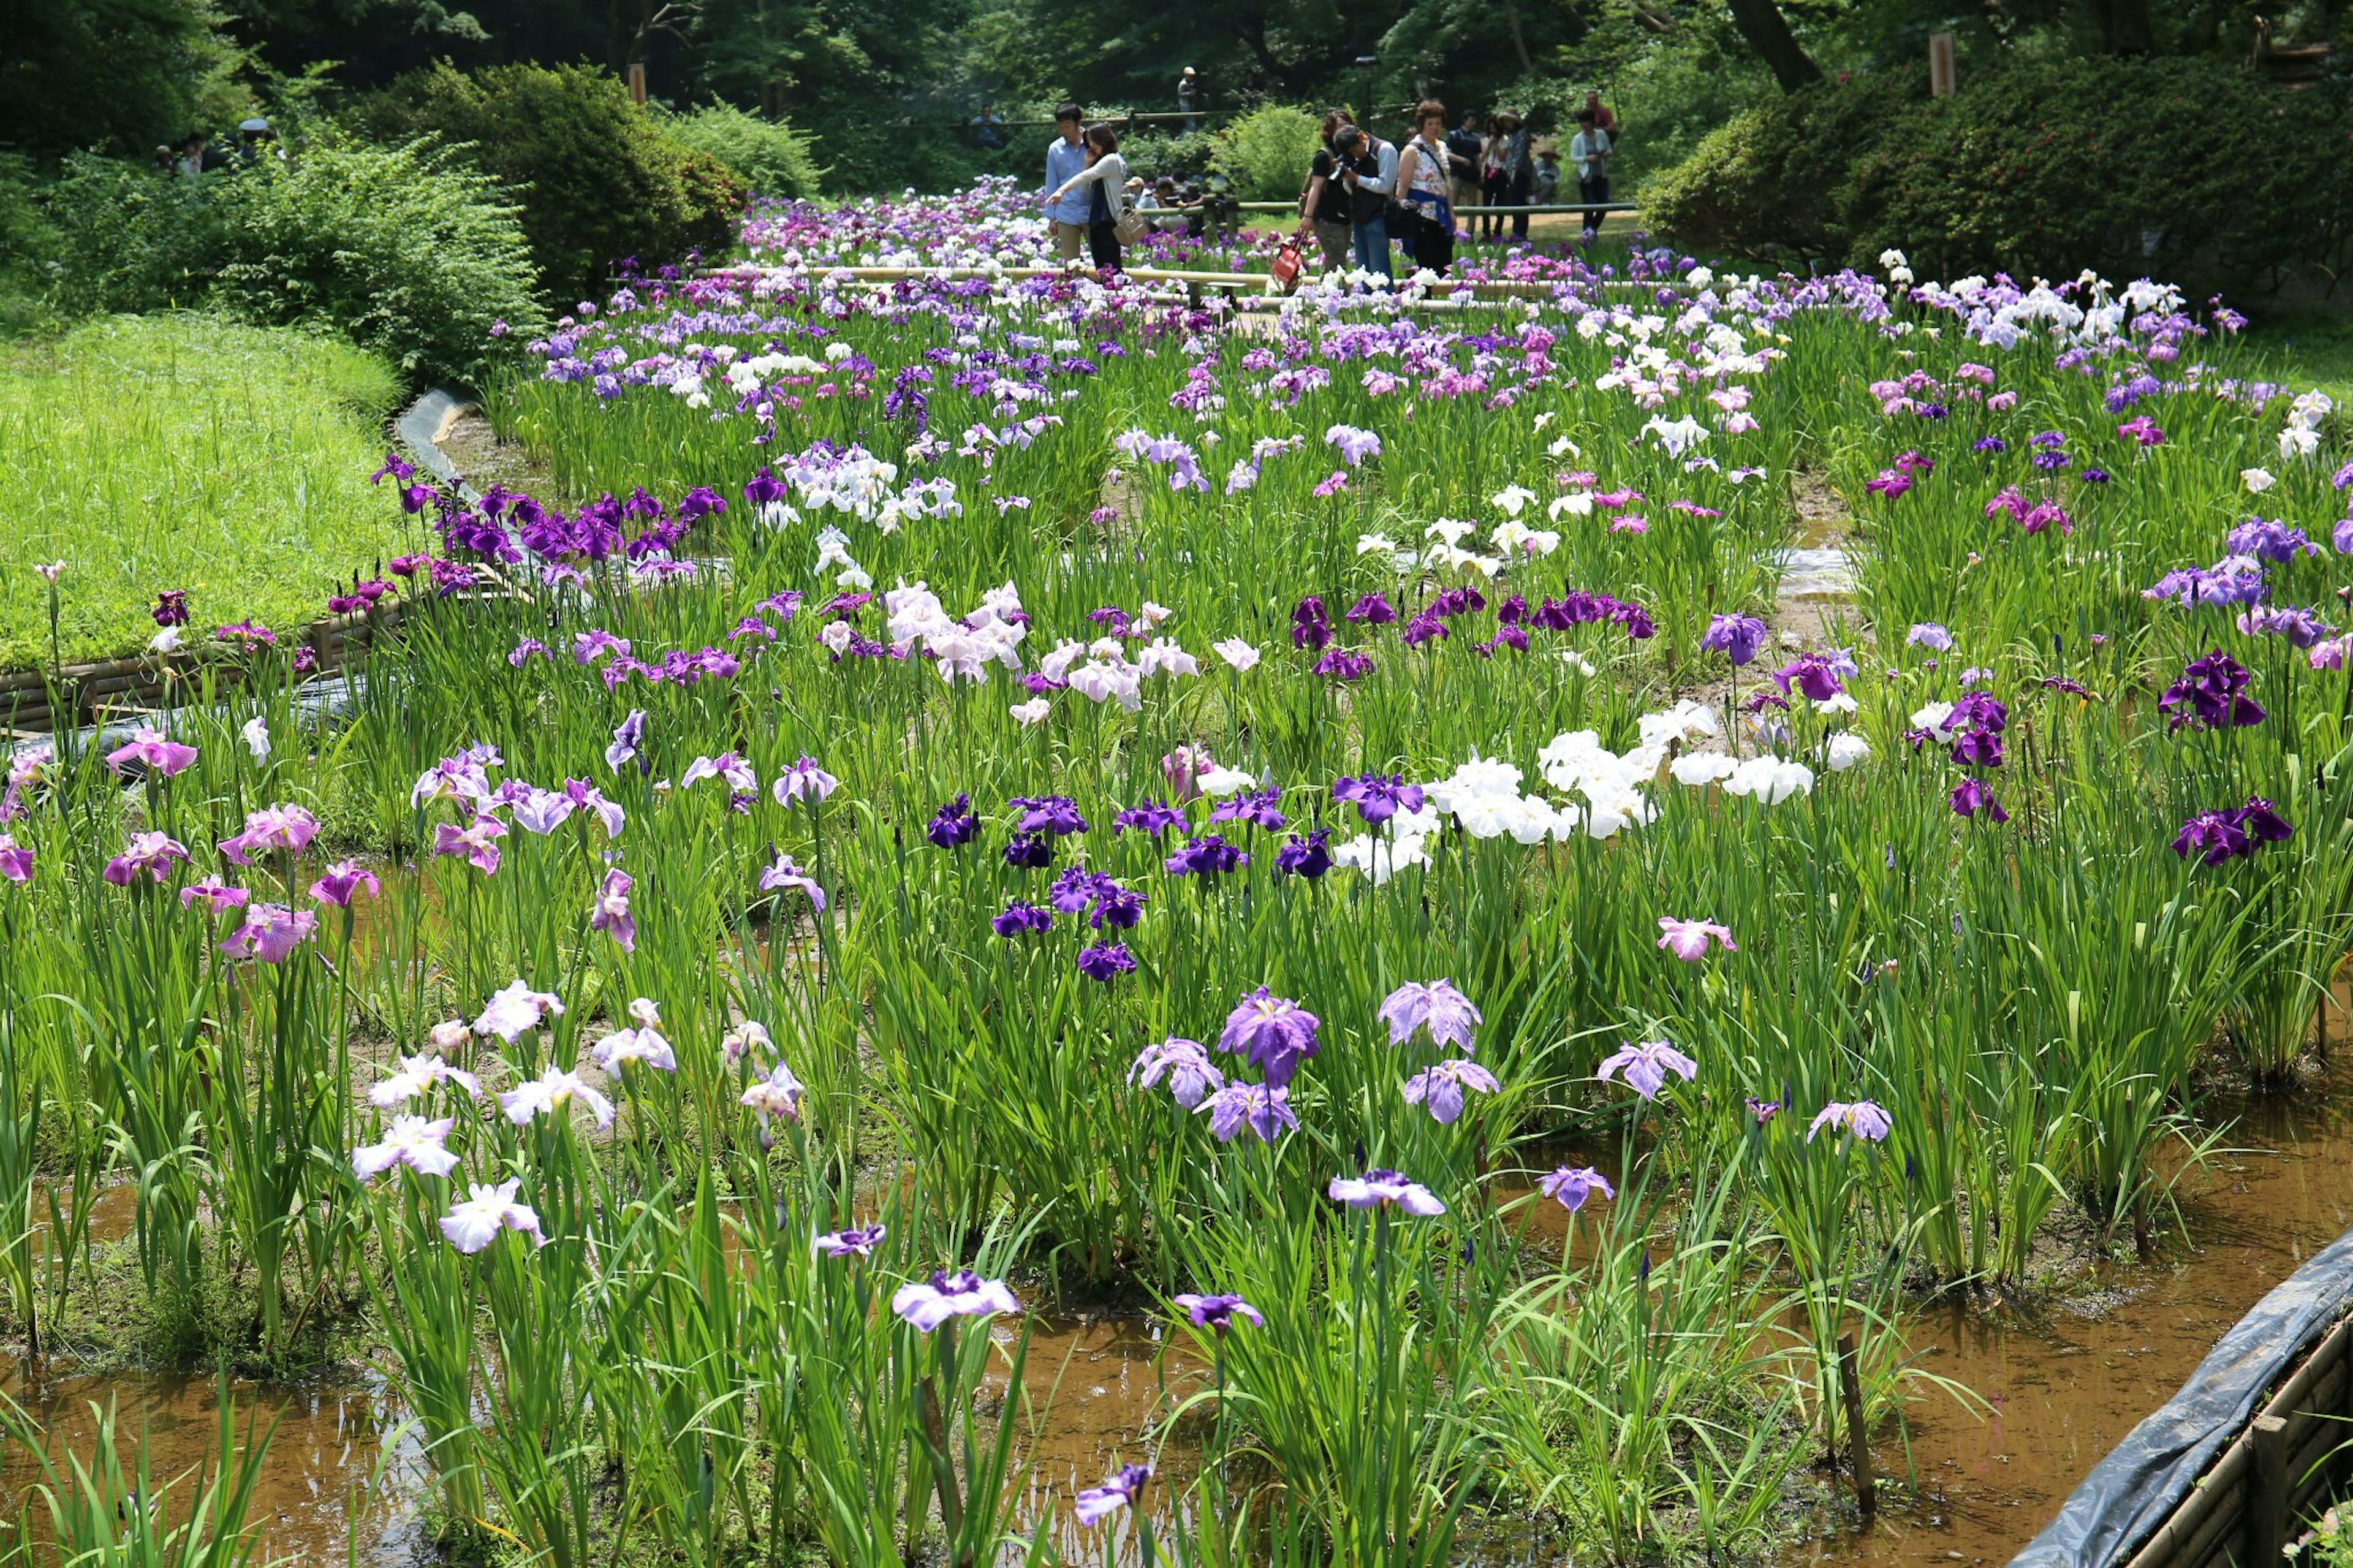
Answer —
1519 39
1767 32
2124 26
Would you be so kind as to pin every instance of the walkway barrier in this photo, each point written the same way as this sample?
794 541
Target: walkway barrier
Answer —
1243 288
2210 1479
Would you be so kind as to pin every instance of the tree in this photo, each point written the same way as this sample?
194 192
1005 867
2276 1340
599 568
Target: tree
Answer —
2124 26
1767 32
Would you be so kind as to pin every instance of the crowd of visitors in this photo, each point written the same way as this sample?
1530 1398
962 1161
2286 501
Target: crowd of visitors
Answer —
1363 195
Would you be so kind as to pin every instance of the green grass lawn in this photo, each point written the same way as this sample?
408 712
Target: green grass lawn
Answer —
185 452
2315 345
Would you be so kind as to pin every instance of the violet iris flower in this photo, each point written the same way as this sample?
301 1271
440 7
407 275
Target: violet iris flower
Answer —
1434 1005
953 824
1054 814
216 897
1106 961
474 841
286 827
1151 818
1218 1312
1970 796
1738 637
410 1141
1274 1033
516 1008
852 1243
1122 1489
1379 796
627 737
1264 1110
611 913
1028 851
16 860
1442 1088
1208 856
2211 694
1863 1119
170 607
927 1304
341 880
149 852
1646 1065
1186 1065
784 873
1572 1186
153 751
1380 1188
804 781
1373 609
271 934
1310 625
1305 857
1812 674
1342 664
550 1093
1928 634
1259 810
1018 919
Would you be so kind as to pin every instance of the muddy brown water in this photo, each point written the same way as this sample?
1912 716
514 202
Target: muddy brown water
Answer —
2060 1384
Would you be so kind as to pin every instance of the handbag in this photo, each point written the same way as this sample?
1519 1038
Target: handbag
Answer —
1130 227
1287 264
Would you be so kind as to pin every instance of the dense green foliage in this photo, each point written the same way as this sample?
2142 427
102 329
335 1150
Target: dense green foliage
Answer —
2182 167
185 451
598 181
768 156
1265 153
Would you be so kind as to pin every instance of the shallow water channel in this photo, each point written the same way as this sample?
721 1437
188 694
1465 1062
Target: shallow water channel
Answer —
2062 1382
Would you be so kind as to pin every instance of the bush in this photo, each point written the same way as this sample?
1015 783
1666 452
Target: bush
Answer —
126 238
1265 153
2183 168
768 156
599 178
408 252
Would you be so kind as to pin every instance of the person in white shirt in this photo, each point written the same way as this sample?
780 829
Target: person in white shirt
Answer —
1589 155
1106 179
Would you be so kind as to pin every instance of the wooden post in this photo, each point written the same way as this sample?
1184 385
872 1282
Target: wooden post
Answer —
1940 65
2266 1494
1857 1442
638 83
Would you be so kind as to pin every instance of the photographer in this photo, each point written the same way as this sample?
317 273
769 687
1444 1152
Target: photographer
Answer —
1368 168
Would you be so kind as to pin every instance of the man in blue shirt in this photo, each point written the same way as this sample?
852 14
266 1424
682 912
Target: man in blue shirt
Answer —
1065 156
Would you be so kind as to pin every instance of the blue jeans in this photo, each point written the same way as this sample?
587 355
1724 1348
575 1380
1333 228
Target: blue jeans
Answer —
1373 245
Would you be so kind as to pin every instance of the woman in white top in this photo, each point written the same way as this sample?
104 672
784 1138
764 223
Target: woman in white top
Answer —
1105 177
1422 180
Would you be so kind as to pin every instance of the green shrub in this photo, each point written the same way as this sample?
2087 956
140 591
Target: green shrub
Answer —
1265 153
2181 168
1152 154
127 237
599 179
768 156
408 252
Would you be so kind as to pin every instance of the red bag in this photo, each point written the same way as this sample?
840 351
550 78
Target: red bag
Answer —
1287 265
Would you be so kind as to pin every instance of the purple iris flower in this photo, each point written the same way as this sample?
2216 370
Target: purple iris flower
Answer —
1186 1065
1970 796
341 880
627 737
1436 1007
1738 637
1218 1312
1442 1088
928 1303
953 824
1151 818
1866 1119
170 607
1310 625
152 853
2262 823
152 751
1274 1033
2301 628
1372 610
1076 888
1646 1065
1124 1490
2267 538
2213 836
1262 1110
852 1243
1379 1188
2211 695
1812 674
1379 796
1259 810
1028 851
1055 813
1019 918
1305 857
1928 634
1106 962
1572 1186
1343 664
1208 856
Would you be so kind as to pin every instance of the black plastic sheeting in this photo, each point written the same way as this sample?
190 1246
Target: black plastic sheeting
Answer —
2144 1478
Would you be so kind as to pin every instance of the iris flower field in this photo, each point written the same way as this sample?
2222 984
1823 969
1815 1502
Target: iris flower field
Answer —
968 797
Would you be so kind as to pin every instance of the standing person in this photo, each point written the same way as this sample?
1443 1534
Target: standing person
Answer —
1601 116
1547 174
1421 178
1189 99
1106 179
1066 154
1324 204
1463 146
1493 184
1589 155
1519 167
1368 169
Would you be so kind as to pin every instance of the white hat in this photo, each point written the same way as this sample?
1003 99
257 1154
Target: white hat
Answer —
1189 71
